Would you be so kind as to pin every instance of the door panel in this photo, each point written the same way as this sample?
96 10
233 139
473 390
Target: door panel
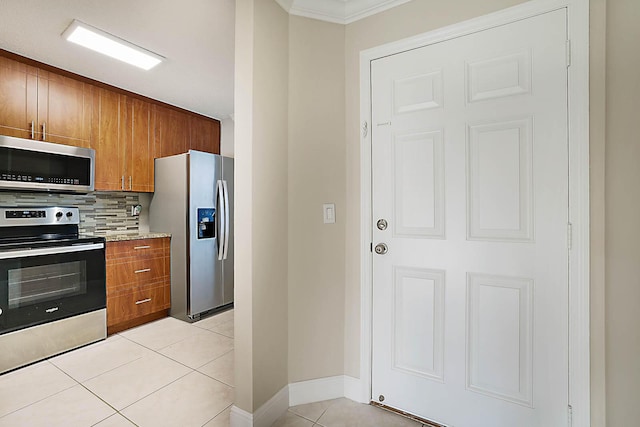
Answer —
418 342
419 185
499 163
470 167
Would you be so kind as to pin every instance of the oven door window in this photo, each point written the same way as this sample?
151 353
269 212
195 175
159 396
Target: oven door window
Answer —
42 283
44 288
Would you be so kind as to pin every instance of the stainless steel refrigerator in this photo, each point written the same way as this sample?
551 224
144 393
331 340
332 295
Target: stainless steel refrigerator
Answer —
193 201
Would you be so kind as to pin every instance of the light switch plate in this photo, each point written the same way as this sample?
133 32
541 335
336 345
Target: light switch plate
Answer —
329 213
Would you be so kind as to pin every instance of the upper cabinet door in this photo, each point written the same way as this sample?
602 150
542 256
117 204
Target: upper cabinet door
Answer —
140 150
204 134
18 98
172 132
107 140
64 110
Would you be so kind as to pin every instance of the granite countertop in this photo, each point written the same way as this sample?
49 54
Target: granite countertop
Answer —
122 237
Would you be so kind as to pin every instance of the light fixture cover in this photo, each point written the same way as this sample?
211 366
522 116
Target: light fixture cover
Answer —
108 44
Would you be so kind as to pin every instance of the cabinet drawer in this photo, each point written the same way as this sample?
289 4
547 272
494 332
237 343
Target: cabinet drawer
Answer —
137 248
134 304
134 272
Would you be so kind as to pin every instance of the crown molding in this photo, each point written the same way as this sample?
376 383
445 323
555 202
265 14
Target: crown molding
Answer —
338 11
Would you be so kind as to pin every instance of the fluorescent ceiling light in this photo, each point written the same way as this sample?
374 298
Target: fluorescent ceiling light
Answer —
110 45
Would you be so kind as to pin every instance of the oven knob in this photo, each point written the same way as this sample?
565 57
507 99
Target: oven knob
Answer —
69 214
59 215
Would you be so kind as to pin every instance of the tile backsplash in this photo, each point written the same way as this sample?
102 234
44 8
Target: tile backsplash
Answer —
101 213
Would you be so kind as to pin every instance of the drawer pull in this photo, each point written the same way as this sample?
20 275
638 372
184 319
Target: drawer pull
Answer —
144 270
141 247
142 301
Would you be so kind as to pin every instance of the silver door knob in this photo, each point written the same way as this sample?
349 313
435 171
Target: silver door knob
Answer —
381 249
382 224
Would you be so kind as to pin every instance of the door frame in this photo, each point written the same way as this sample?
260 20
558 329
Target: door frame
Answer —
578 125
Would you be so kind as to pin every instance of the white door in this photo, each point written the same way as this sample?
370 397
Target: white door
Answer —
470 172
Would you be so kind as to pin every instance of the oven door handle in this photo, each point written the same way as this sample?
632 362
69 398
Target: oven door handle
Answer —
50 251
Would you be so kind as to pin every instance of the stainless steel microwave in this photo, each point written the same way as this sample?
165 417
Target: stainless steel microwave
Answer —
29 165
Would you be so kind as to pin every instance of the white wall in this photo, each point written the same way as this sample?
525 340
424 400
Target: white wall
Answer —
227 139
622 213
261 85
316 176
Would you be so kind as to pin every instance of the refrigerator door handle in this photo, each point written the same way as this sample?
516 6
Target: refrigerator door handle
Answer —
226 219
220 208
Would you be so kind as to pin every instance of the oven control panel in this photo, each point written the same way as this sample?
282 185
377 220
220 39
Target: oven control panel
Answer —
39 216
26 214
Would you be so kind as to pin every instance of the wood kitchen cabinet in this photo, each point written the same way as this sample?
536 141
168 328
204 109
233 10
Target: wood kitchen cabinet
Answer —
139 148
204 134
171 131
64 110
127 131
18 98
177 132
138 282
107 141
122 136
38 104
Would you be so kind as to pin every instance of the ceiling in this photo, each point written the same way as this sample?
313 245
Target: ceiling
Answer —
338 11
196 37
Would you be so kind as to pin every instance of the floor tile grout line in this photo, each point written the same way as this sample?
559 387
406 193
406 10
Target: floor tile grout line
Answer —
46 397
214 378
158 351
110 370
208 421
213 360
103 373
157 390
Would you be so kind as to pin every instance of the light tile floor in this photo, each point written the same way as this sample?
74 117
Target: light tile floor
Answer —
341 413
165 373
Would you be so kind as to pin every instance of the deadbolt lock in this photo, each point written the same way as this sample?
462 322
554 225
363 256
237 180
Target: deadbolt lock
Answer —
382 224
381 249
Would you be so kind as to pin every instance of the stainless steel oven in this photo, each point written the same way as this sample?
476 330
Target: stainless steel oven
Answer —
50 279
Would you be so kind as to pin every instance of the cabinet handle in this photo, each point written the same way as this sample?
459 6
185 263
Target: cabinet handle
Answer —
130 183
33 129
122 183
144 270
141 247
44 131
142 301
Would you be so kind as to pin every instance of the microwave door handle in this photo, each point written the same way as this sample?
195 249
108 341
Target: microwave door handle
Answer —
226 219
220 218
23 253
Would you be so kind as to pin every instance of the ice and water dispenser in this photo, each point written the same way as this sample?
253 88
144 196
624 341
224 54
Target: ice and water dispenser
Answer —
206 223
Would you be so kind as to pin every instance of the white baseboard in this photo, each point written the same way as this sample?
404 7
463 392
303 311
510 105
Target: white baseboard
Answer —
316 390
240 418
300 393
354 389
327 388
265 415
